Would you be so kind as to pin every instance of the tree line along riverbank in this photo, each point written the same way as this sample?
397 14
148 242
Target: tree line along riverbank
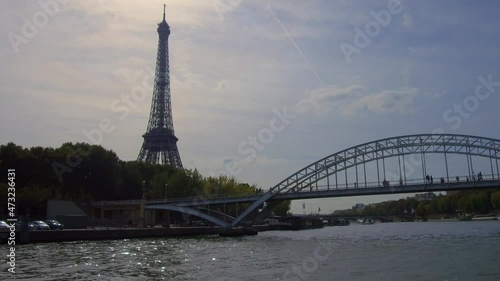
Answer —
82 172
477 202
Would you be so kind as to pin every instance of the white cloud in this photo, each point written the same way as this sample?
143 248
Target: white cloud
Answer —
435 93
221 85
356 98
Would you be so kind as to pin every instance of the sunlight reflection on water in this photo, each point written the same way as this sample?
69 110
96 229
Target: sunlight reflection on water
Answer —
394 251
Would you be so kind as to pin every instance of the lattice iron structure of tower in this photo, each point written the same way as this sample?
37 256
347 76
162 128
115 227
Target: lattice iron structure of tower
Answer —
160 142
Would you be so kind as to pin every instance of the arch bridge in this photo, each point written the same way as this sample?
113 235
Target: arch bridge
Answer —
345 173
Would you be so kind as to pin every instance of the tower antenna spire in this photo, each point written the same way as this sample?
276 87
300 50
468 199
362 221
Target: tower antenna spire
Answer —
164 5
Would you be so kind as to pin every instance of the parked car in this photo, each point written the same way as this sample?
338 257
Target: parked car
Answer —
53 224
38 225
4 227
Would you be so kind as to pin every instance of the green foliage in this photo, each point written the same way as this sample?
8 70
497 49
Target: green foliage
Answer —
130 185
282 208
33 193
158 187
495 200
477 202
82 172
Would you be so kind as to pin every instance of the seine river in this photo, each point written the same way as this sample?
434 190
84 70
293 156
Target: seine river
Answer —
434 251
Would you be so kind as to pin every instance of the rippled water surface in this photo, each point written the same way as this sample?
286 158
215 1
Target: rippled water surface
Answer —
393 251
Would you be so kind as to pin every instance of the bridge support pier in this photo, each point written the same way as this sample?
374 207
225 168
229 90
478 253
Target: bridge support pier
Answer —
142 215
166 219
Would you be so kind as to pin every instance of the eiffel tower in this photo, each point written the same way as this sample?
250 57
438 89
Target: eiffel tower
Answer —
160 142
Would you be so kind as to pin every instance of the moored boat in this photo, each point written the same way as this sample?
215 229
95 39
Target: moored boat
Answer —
367 221
465 218
342 222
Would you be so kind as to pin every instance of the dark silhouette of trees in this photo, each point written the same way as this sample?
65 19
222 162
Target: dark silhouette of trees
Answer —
464 202
84 172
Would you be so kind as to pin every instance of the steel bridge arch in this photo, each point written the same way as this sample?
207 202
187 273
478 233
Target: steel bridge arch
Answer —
386 148
377 150
190 211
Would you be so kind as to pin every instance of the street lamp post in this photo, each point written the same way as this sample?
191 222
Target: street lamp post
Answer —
142 212
166 191
143 190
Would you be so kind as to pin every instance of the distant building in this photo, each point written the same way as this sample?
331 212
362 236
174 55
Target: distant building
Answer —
358 206
425 196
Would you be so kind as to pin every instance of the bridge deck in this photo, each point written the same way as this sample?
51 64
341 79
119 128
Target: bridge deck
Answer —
329 193
414 188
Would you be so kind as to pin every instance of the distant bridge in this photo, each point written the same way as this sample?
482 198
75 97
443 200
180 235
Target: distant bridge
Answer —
321 178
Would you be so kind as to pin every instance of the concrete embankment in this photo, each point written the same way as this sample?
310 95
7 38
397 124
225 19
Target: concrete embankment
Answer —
42 236
485 218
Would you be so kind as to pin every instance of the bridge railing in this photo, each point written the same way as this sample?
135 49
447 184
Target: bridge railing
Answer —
349 186
393 183
171 200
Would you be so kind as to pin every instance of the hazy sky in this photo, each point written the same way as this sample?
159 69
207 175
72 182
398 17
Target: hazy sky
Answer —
346 72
